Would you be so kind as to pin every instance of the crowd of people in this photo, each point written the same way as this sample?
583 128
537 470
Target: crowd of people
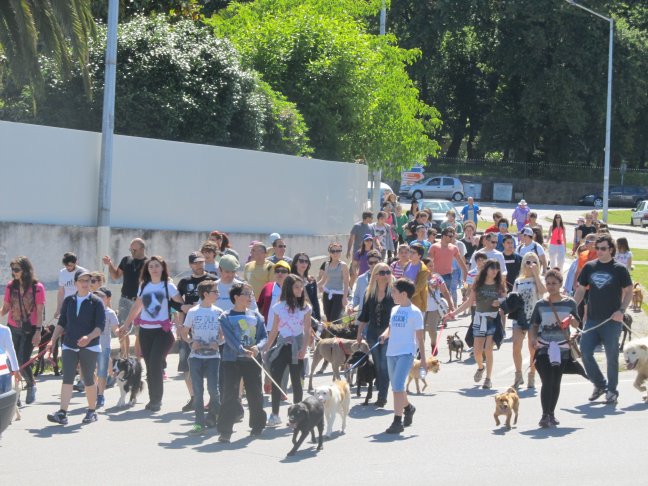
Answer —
245 323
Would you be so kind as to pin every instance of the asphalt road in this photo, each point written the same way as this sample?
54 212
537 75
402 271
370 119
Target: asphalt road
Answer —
454 439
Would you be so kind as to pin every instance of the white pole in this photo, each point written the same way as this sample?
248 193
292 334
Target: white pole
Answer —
377 175
608 127
107 130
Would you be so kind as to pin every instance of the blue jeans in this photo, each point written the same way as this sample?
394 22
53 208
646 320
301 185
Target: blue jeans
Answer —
102 362
379 355
454 284
607 335
201 368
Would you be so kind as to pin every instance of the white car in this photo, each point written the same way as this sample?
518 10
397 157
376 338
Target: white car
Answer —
384 191
639 215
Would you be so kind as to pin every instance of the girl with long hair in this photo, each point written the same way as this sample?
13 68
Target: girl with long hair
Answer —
300 266
156 297
374 317
24 301
623 254
557 242
291 329
487 293
334 283
530 288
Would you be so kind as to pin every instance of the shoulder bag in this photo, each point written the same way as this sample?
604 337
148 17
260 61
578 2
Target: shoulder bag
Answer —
571 340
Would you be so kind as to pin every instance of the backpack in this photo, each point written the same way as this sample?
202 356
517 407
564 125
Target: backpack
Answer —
535 248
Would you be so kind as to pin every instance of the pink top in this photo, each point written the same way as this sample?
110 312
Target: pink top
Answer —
557 236
443 257
15 312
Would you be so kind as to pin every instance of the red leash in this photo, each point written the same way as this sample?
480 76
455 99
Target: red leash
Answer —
40 353
436 345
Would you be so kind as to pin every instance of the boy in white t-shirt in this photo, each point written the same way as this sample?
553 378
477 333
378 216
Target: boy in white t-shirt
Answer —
103 362
404 332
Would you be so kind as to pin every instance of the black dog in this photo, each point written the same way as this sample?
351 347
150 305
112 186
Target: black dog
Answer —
39 364
304 417
366 372
627 320
455 344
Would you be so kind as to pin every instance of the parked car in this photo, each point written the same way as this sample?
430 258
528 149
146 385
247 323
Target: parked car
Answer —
438 187
639 215
384 191
439 208
623 196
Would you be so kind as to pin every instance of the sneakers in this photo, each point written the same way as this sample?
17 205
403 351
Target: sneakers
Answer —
59 417
255 432
274 420
101 401
197 429
90 416
479 374
408 415
224 438
31 395
545 421
153 407
531 380
518 380
380 403
598 392
611 397
487 384
553 419
395 428
189 406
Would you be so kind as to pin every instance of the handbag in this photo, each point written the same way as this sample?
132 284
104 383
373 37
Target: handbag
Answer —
571 340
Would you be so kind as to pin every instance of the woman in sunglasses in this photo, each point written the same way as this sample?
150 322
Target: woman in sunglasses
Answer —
374 317
24 301
301 264
334 283
530 287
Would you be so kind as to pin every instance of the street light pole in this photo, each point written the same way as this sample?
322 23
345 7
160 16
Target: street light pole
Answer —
377 176
608 115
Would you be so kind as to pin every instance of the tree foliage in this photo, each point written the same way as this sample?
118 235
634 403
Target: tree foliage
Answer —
176 82
351 86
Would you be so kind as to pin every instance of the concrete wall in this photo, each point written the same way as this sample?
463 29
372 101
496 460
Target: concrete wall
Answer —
51 177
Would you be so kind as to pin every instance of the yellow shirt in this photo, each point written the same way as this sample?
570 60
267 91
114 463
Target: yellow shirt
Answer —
258 275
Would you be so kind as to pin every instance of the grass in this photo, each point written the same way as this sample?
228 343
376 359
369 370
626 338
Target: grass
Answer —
618 216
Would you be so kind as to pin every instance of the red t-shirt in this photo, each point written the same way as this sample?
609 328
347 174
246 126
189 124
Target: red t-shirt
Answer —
492 229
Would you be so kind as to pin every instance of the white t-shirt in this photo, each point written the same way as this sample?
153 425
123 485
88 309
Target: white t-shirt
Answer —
66 280
533 247
527 289
490 254
155 307
623 258
223 302
290 323
403 324
111 321
205 326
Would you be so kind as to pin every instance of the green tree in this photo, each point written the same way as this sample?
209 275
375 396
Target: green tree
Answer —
351 86
29 28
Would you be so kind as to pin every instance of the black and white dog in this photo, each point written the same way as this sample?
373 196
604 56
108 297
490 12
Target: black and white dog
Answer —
128 373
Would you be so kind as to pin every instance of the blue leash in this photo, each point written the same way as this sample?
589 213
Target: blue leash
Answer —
361 359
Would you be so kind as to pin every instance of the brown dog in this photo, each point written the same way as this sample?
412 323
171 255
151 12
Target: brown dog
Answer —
335 351
433 366
637 297
507 404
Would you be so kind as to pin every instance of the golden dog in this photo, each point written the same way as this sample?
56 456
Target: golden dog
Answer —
507 404
637 297
433 366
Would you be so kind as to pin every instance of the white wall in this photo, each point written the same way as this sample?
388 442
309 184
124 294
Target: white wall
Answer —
162 185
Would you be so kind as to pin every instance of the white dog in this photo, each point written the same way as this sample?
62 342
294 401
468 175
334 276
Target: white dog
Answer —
636 358
336 399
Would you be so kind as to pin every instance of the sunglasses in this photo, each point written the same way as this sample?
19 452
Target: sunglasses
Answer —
335 251
372 262
303 260
383 273
16 269
530 263
602 248
281 270
94 280
280 246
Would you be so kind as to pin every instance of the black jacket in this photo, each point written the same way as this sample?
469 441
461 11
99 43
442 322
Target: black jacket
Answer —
92 314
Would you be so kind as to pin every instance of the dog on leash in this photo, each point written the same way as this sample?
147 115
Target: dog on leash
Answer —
637 297
455 345
366 372
627 320
636 358
335 351
433 366
303 417
337 400
507 404
39 364
128 375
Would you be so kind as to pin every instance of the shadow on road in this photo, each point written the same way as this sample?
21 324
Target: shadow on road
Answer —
551 432
594 410
52 430
383 437
476 391
637 407
362 412
300 455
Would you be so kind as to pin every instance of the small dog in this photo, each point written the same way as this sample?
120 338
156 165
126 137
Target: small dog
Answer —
507 404
637 297
636 358
366 372
39 365
456 345
304 417
433 366
128 374
335 351
627 320
336 399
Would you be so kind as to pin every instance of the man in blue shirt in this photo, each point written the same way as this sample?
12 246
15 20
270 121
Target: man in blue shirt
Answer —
470 211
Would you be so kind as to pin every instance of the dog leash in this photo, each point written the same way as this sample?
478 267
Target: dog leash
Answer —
38 355
436 344
361 359
269 376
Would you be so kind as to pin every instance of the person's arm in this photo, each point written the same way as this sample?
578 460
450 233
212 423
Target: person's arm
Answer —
261 333
464 305
350 245
443 288
360 333
273 332
135 310
579 294
384 336
540 286
115 272
345 285
307 334
629 265
462 263
420 338
626 299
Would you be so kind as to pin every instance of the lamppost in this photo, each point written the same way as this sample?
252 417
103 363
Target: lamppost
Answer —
377 174
608 117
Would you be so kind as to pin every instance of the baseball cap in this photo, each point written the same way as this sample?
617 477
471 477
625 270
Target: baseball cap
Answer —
367 237
283 264
274 237
103 292
81 273
229 263
196 256
527 231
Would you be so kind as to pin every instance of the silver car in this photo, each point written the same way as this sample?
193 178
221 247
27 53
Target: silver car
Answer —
441 187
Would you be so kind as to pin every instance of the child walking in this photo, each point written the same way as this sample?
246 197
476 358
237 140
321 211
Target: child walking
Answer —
103 363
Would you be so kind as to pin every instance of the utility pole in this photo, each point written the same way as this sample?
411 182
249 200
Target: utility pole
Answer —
377 174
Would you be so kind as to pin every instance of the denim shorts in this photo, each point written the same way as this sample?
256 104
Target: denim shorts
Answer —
102 362
398 368
490 328
184 350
